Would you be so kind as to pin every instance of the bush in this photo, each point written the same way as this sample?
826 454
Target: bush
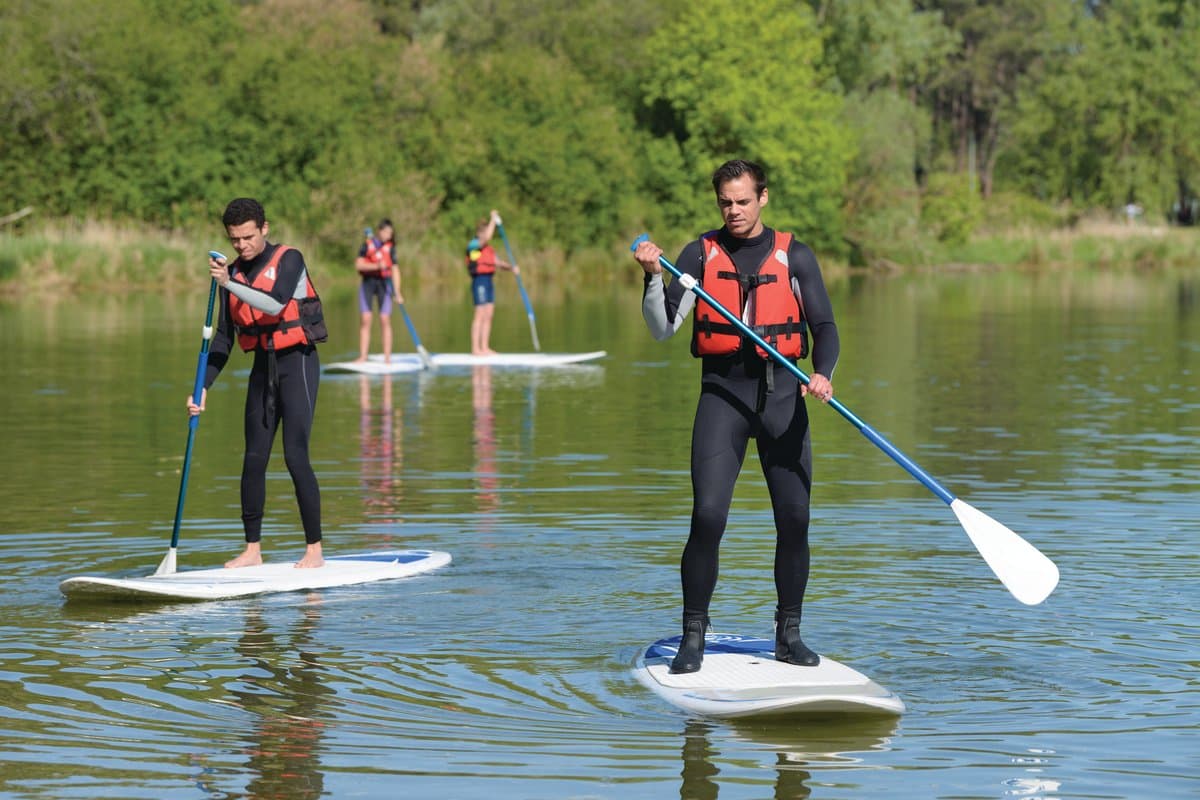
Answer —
949 208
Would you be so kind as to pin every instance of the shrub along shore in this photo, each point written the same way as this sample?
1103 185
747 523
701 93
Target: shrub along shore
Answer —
73 257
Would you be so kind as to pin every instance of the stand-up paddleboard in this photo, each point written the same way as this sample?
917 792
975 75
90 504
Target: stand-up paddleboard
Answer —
222 583
741 678
397 366
410 362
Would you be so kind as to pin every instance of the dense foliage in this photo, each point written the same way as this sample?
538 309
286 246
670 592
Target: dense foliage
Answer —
586 122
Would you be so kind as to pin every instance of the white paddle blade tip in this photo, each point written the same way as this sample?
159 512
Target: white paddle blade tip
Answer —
1023 569
167 565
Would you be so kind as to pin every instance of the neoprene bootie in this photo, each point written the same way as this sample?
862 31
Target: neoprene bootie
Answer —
789 647
691 647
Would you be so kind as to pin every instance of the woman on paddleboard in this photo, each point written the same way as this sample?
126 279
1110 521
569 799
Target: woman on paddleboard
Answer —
773 283
270 306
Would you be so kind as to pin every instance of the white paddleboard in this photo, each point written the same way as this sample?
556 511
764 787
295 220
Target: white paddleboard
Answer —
394 367
222 583
741 678
411 362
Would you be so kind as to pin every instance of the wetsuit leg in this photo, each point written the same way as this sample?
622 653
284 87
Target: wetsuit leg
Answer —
784 451
720 434
260 435
299 373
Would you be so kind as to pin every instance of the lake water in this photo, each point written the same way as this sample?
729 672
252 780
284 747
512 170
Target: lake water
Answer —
1065 406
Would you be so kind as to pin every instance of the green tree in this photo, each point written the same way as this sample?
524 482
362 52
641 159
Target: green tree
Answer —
883 52
1115 119
718 94
1003 44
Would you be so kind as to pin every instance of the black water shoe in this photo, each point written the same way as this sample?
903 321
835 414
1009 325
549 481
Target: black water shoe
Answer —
789 647
691 647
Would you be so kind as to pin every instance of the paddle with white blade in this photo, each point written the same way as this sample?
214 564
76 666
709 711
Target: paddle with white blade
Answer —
167 566
1023 569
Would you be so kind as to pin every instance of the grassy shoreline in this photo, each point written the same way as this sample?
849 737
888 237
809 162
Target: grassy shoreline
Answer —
72 258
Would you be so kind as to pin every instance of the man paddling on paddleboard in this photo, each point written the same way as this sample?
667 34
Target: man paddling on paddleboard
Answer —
270 305
775 284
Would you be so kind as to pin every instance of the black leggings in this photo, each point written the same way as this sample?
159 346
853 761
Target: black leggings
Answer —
730 411
298 373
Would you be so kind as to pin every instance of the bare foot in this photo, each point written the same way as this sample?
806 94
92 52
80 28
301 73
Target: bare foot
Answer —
250 557
488 352
360 359
312 557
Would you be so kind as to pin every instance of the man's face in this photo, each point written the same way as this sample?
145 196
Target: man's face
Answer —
248 239
741 206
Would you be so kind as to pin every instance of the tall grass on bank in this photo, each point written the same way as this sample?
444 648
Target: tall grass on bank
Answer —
64 256
70 257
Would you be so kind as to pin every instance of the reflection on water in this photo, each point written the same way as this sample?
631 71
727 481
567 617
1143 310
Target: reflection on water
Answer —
792 748
381 453
284 689
483 432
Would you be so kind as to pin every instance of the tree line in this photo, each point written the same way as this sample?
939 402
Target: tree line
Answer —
879 121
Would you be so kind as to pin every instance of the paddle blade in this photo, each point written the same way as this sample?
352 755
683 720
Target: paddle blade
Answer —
426 359
167 565
1020 566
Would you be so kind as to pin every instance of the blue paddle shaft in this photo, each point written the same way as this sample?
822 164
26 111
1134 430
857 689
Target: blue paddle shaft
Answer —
197 394
412 331
872 435
520 287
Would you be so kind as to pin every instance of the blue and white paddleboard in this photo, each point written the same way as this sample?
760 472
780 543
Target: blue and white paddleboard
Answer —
221 583
741 678
411 362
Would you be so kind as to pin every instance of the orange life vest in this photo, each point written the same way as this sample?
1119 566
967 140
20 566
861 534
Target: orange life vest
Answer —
775 315
481 260
268 331
379 253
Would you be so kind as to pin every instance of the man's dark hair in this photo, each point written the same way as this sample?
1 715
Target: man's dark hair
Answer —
385 223
732 170
242 210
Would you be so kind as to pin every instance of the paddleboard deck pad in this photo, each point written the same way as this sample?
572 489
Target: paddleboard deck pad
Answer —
741 678
411 362
222 583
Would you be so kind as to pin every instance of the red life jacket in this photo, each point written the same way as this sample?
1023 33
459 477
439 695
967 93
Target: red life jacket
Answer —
380 253
481 261
268 331
775 313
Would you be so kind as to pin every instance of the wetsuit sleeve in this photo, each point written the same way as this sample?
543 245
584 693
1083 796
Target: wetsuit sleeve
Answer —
818 310
666 307
222 341
291 270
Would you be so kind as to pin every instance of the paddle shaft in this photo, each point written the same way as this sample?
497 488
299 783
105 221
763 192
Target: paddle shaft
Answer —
412 331
194 421
521 287
874 436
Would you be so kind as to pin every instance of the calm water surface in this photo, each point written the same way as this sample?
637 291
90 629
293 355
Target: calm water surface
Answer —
1065 406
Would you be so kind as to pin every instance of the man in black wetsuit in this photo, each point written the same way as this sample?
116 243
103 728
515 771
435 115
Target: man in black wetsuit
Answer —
260 306
774 285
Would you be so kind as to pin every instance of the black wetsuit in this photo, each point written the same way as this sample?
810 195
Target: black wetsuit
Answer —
737 402
293 402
